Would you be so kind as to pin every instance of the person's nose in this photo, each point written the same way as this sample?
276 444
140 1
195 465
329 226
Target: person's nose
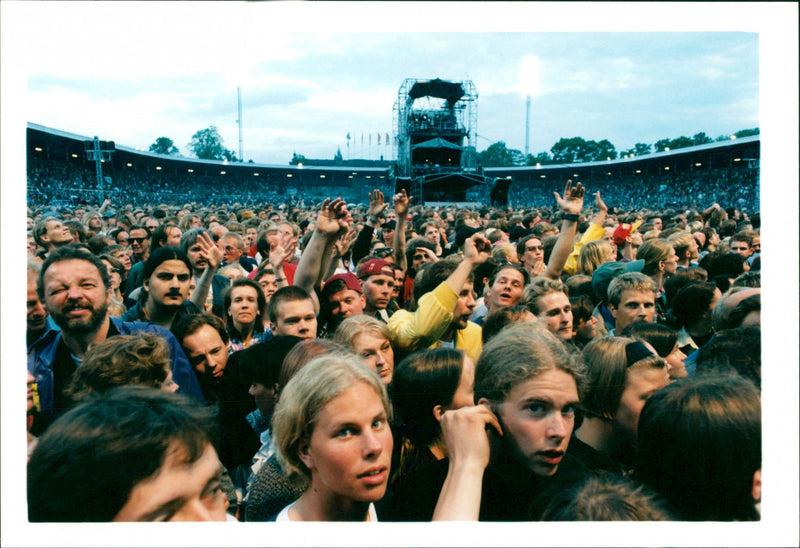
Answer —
373 445
557 427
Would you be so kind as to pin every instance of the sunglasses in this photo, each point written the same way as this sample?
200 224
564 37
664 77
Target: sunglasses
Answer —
383 251
136 240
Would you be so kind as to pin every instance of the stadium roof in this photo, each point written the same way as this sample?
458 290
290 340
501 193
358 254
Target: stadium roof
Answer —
450 91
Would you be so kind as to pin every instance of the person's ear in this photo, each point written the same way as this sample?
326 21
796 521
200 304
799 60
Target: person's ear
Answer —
613 310
757 486
437 413
304 454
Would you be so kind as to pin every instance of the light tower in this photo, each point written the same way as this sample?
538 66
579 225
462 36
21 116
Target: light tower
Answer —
529 84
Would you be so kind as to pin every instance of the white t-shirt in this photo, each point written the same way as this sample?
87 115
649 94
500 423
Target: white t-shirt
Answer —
284 514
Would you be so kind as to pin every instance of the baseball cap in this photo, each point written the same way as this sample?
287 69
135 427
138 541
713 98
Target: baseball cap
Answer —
621 233
375 266
606 272
348 278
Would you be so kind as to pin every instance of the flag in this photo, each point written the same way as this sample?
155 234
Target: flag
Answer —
370 139
348 135
362 137
387 139
379 139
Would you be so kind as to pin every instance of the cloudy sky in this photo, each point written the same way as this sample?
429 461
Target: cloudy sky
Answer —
310 75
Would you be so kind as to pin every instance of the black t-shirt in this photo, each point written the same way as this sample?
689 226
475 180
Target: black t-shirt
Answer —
505 497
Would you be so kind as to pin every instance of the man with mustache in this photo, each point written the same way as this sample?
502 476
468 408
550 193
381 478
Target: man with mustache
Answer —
75 288
165 292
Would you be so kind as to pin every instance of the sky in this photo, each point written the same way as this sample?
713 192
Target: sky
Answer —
135 73
312 72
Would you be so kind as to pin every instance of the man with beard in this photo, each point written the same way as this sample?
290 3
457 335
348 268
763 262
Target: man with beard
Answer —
75 288
445 299
165 293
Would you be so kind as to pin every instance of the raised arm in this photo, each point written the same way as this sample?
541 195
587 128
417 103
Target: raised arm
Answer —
332 218
571 204
401 203
213 256
377 206
595 231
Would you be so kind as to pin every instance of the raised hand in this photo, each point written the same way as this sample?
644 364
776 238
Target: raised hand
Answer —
465 434
598 202
345 241
401 202
477 248
572 202
376 204
209 250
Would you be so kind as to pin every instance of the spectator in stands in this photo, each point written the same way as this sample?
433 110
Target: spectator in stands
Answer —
206 258
233 253
377 280
165 294
631 299
145 455
345 474
340 299
140 243
548 300
115 269
691 311
40 328
291 312
51 234
74 286
245 307
660 262
506 285
685 248
742 243
370 339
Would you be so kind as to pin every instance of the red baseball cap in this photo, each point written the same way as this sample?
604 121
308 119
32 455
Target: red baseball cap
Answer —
375 266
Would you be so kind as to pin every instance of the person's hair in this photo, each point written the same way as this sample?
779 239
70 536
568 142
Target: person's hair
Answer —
263 361
306 350
161 255
727 265
68 253
682 278
582 308
99 244
652 252
725 317
745 236
120 360
502 252
592 255
526 277
263 271
433 274
303 399
692 302
629 281
733 351
660 337
420 382
412 246
40 228
681 242
607 369
261 303
538 288
748 279
34 268
353 326
192 323
234 236
540 228
115 264
501 317
160 235
523 241
284 294
700 445
517 354
606 497
190 237
89 460
76 227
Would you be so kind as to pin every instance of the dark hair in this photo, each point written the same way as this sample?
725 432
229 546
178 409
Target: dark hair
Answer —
682 278
412 246
660 337
738 314
606 497
700 445
161 255
285 294
303 352
89 460
692 302
160 233
191 323
526 277
68 253
501 317
261 304
263 361
190 237
582 308
433 274
748 279
733 351
420 382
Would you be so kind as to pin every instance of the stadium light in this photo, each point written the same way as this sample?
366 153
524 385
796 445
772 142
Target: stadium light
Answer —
737 159
322 176
698 164
129 164
190 170
289 175
733 136
222 173
37 149
543 177
255 174
158 168
300 165
638 171
74 155
666 168
666 149
529 75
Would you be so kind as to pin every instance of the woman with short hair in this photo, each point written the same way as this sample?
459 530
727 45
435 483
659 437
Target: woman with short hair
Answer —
331 431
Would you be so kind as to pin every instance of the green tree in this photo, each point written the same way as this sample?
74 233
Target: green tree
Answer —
701 138
661 145
297 159
164 145
680 142
498 155
602 151
206 144
540 158
640 149
568 151
747 132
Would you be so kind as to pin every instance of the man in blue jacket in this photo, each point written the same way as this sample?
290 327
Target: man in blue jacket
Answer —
75 288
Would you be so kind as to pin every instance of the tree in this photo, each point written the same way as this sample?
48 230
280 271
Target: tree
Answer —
206 144
568 151
164 145
680 142
701 139
297 159
747 132
661 145
540 158
498 155
640 149
603 151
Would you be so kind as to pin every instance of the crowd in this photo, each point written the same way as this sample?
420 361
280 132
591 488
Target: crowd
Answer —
392 362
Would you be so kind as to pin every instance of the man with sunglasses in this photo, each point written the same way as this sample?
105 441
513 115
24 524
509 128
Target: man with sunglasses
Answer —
139 238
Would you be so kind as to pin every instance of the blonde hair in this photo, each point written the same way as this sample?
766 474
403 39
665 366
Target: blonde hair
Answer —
592 255
353 326
303 399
